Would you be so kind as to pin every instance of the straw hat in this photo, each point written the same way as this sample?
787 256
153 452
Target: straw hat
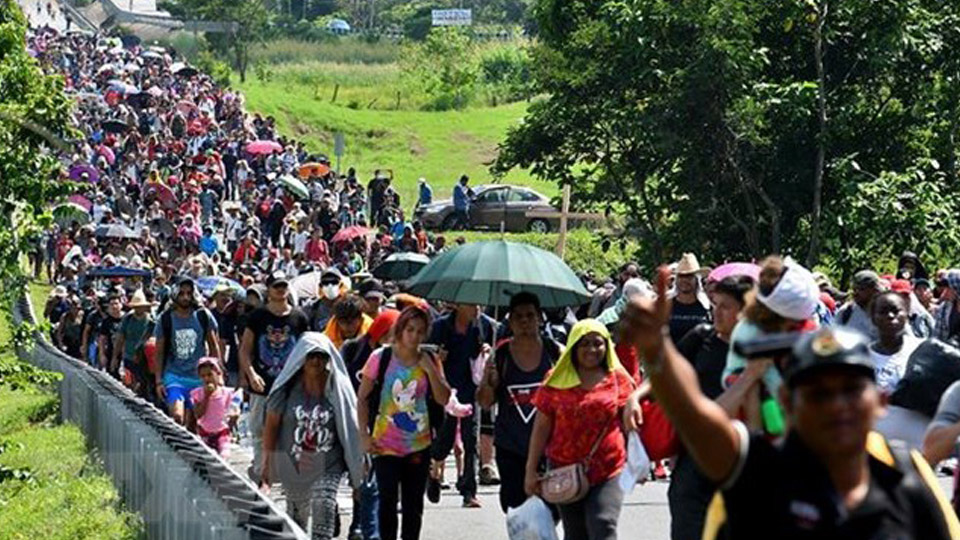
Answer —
689 265
139 300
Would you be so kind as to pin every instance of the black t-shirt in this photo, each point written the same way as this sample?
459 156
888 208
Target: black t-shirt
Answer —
785 493
461 349
515 409
684 317
708 354
227 324
273 339
110 328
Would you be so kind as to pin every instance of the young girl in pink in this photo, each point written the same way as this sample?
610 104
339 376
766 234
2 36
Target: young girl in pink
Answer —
213 406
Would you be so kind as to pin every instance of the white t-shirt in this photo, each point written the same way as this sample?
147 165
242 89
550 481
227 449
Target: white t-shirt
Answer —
890 368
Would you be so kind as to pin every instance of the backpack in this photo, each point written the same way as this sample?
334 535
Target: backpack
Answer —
932 368
142 340
435 413
166 326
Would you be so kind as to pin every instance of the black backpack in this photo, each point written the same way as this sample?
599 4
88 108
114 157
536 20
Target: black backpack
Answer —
931 369
435 413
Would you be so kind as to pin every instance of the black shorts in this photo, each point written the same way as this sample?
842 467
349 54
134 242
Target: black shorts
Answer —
486 422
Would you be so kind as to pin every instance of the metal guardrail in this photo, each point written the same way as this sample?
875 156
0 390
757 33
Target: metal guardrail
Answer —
122 16
78 18
181 488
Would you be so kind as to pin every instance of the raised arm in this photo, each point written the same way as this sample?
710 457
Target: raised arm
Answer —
703 425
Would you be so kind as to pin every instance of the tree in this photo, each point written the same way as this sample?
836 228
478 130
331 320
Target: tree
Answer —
250 23
728 126
444 65
34 124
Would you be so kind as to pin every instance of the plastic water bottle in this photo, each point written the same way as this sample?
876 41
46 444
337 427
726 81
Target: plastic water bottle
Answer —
243 429
772 415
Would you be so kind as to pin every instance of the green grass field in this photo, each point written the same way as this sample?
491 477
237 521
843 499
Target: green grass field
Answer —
437 145
72 496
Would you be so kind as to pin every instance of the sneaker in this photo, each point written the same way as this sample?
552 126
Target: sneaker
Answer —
445 486
471 502
489 476
433 490
355 534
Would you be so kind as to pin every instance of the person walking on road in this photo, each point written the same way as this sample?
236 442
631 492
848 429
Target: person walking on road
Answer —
511 381
185 333
578 421
310 437
271 333
394 416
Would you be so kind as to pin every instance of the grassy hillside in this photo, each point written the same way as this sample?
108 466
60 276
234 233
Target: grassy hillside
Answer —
437 145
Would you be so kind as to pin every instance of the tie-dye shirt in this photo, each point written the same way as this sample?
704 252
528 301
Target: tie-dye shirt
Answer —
402 426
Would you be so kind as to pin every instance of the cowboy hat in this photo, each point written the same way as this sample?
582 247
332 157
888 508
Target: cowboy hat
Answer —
139 300
688 265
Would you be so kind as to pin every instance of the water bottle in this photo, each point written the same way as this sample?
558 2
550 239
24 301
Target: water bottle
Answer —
772 415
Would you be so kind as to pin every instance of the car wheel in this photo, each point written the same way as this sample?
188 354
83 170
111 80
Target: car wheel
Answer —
538 226
449 223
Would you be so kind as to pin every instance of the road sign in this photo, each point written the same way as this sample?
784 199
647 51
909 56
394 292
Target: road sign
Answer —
339 146
452 17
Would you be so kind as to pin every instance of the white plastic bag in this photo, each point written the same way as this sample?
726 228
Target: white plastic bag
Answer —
531 520
638 464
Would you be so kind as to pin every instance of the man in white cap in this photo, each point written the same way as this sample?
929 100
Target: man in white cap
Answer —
425 194
687 309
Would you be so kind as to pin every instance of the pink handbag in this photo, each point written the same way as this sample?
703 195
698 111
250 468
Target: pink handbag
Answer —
569 484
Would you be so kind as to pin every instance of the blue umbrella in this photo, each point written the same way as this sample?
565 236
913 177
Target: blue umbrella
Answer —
208 285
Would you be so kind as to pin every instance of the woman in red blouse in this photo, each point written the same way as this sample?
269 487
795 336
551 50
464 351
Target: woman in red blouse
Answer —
579 404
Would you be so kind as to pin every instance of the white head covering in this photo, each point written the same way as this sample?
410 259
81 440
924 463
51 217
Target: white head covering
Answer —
339 392
796 294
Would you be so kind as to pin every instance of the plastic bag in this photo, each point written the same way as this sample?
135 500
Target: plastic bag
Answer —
531 520
638 464
455 408
478 364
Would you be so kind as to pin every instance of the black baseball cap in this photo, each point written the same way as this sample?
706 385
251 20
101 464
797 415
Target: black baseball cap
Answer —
371 287
828 347
277 277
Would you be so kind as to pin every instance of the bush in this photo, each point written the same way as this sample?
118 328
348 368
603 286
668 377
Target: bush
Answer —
444 67
506 71
219 70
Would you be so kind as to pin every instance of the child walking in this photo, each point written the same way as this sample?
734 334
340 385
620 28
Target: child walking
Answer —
213 406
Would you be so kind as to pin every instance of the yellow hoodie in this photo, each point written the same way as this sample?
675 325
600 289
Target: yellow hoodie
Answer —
565 374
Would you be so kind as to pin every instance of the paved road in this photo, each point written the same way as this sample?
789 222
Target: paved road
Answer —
54 18
645 515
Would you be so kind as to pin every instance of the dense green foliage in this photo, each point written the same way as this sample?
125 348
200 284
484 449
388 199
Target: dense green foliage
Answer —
586 250
739 127
34 120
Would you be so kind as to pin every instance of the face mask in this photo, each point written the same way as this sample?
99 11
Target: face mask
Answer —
331 291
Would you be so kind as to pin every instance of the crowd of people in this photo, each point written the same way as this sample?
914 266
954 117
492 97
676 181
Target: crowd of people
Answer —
175 272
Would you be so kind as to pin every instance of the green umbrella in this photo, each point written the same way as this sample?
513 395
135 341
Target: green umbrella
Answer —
489 273
69 211
401 266
294 186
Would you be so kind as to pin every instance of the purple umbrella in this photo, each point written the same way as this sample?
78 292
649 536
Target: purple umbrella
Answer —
735 269
84 172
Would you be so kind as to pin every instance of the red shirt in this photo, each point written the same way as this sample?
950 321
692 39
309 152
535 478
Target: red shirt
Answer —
245 254
627 354
317 251
580 417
